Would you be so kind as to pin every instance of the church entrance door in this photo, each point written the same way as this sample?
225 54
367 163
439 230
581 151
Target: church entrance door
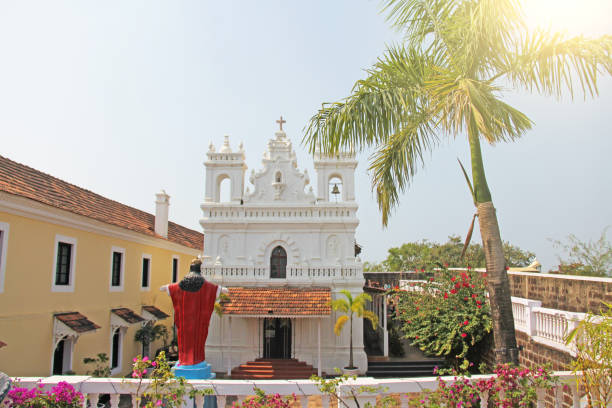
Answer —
277 338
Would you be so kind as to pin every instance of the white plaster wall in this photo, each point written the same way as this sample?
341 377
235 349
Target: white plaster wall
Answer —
246 342
315 246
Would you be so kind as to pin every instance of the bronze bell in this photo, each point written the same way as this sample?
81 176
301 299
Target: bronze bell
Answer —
335 189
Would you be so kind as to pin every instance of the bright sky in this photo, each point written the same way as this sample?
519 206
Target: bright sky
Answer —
123 98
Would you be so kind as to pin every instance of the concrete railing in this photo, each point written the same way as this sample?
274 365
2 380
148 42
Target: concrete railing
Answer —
544 325
92 388
339 210
294 272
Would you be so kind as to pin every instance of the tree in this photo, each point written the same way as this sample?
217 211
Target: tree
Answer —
447 80
148 333
352 305
592 258
426 254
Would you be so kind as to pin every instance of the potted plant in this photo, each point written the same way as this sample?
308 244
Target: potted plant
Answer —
352 306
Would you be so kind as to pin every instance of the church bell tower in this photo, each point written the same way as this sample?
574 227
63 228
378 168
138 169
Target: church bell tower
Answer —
221 165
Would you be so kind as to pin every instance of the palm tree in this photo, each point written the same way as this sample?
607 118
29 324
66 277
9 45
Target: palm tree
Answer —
352 305
447 80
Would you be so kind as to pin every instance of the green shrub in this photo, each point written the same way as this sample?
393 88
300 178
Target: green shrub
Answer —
445 316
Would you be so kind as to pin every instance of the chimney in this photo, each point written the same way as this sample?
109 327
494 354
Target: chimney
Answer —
162 202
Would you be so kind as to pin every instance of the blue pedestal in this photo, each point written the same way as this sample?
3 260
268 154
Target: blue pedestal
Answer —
200 371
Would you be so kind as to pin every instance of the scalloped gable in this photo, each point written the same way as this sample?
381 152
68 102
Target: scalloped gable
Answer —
280 179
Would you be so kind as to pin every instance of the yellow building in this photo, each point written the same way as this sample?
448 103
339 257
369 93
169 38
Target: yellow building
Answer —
80 273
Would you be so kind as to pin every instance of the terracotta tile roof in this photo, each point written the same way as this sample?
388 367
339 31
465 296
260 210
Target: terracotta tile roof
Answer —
76 322
155 312
286 301
128 315
24 181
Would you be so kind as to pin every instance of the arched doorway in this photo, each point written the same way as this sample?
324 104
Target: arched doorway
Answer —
277 338
278 263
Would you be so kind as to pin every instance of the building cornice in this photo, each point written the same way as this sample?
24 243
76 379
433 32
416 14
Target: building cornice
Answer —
42 212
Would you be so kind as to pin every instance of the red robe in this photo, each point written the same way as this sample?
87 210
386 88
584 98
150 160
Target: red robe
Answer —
192 311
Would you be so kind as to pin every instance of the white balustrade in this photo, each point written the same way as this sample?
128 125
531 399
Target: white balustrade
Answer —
274 213
93 388
295 273
544 325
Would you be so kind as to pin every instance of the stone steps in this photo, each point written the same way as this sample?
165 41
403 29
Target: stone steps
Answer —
273 369
402 369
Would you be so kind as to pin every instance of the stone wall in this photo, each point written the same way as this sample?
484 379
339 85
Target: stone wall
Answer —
563 292
380 279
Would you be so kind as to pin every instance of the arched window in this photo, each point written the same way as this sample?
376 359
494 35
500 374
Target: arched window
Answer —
62 357
278 177
335 189
225 190
278 263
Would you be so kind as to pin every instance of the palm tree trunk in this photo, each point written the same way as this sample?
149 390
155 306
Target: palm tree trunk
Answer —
497 279
351 344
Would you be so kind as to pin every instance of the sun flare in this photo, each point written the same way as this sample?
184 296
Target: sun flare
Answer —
588 17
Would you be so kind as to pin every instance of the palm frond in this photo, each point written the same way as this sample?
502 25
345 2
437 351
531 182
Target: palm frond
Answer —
552 63
358 305
372 317
469 183
341 305
394 163
340 324
377 108
419 18
496 120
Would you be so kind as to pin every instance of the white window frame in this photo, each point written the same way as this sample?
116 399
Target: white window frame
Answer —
178 267
150 258
71 275
117 369
4 228
121 273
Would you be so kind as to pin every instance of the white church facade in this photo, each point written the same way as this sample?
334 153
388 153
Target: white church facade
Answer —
283 250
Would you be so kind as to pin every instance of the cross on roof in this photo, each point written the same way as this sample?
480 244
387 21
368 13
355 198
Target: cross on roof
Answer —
280 122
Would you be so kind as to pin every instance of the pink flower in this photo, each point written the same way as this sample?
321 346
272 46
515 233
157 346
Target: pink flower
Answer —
154 364
466 323
463 335
145 358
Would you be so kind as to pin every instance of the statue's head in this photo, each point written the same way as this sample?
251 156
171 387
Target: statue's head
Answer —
193 281
196 266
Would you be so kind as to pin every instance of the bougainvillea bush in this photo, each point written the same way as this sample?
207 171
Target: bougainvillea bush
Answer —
510 387
263 400
63 395
445 315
